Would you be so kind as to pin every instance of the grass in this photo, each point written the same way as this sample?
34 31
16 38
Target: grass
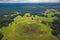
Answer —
35 30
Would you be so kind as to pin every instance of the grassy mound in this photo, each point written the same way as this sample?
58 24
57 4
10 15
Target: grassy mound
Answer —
28 28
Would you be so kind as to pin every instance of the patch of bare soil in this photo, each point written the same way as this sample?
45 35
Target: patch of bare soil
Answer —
32 29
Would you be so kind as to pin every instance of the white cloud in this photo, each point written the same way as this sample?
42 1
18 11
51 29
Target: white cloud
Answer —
30 1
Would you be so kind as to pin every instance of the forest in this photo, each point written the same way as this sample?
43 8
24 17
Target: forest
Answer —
31 27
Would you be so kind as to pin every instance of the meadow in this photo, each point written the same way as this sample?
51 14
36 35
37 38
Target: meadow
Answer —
32 27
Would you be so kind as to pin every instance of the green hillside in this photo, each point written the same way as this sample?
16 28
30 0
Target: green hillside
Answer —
30 27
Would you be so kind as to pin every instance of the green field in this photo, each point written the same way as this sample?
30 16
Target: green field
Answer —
30 27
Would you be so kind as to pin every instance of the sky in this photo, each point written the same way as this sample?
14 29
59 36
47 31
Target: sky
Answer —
29 1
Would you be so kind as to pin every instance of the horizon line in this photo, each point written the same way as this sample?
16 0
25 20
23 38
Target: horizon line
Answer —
29 2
